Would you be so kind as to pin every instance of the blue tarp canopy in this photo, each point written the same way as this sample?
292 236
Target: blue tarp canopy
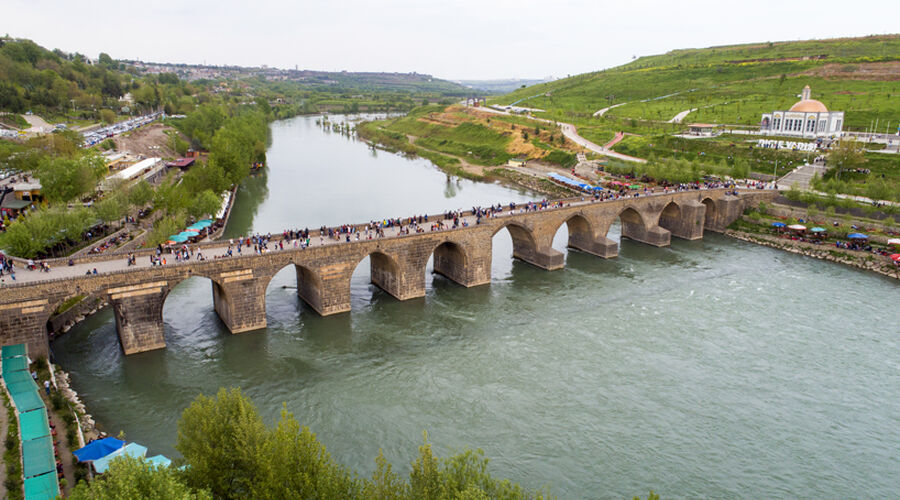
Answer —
160 461
818 229
187 234
37 456
34 424
16 377
778 224
203 224
570 182
857 236
98 449
10 351
14 364
130 449
43 487
178 238
25 395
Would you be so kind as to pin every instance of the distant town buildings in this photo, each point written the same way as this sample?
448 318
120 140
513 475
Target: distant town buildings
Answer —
808 118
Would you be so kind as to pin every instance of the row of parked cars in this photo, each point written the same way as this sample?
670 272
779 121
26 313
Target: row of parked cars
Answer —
101 134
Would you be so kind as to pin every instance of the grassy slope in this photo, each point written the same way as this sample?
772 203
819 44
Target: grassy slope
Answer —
737 92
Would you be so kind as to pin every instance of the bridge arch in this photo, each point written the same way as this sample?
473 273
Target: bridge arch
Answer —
385 273
712 214
670 217
523 240
451 261
581 231
630 219
308 282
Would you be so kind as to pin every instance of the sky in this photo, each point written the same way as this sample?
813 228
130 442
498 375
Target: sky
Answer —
451 39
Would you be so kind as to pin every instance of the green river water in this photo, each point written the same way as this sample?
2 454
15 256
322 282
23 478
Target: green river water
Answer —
712 368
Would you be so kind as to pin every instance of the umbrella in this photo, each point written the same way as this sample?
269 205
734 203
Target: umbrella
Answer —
178 238
187 234
778 224
191 230
857 236
98 449
818 229
160 461
895 257
797 227
130 449
894 241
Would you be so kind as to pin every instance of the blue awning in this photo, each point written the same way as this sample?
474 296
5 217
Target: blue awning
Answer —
130 449
98 449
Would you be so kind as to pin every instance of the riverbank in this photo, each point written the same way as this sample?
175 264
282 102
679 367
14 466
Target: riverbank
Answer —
857 259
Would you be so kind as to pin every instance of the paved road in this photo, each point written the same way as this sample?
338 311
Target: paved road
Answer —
603 111
681 116
117 261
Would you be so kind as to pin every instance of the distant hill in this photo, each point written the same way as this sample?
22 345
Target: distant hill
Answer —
34 78
502 85
734 84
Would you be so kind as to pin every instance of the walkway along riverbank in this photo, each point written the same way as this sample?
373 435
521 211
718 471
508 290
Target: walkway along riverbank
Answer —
860 260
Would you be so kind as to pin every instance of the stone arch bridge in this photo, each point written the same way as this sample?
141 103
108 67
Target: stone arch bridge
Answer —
398 264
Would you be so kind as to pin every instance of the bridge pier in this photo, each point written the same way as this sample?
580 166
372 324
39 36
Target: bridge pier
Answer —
239 299
467 267
655 236
721 213
26 323
138 312
685 222
601 246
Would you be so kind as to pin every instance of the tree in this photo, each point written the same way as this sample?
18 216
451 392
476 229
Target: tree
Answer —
847 154
294 464
221 438
132 477
140 193
108 115
65 179
110 209
206 203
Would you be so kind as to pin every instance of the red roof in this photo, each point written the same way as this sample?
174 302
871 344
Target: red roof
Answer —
181 162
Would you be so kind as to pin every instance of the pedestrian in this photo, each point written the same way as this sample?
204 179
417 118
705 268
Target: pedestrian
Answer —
47 387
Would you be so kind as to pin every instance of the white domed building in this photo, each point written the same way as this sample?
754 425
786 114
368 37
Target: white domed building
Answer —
808 118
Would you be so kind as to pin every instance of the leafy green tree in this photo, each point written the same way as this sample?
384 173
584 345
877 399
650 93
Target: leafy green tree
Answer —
294 464
385 484
847 154
221 439
132 477
108 115
140 193
64 179
110 209
206 203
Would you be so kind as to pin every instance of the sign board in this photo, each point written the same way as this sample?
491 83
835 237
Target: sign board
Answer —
799 146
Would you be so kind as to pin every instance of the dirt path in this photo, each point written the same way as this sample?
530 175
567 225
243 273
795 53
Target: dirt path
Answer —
38 125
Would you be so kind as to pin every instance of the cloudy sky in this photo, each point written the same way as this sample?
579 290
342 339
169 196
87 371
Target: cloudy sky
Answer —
453 39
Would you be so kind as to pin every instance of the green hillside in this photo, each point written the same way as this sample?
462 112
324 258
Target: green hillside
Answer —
733 84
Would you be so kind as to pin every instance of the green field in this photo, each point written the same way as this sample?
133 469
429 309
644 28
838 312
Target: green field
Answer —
732 85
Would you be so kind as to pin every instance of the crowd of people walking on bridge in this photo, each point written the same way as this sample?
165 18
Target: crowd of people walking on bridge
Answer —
301 239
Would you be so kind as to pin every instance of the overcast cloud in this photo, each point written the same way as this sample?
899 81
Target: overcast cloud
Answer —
453 39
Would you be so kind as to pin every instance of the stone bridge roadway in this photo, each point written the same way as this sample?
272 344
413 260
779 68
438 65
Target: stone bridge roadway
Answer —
398 264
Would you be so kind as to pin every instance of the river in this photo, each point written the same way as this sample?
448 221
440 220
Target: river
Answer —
712 368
